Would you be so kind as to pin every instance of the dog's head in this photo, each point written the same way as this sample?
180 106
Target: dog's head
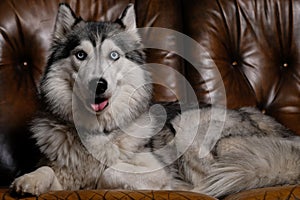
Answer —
94 75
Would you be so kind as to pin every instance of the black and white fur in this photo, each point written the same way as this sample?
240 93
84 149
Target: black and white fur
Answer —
97 130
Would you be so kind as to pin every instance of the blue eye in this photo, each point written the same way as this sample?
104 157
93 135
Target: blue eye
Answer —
81 55
114 55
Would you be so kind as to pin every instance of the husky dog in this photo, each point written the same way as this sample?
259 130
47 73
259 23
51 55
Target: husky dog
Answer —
97 129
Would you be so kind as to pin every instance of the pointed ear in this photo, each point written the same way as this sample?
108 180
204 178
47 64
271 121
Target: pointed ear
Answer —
128 18
65 19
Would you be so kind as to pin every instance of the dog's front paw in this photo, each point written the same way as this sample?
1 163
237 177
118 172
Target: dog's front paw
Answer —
35 183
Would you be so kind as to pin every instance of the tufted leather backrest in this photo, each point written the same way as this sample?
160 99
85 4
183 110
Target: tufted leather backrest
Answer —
249 56
255 45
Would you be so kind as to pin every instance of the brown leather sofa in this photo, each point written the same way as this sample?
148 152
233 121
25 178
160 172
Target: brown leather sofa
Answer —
255 45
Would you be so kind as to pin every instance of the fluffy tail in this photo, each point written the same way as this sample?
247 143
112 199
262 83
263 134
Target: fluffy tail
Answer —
253 163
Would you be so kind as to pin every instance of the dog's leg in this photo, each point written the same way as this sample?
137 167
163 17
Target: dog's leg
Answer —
128 176
143 172
37 182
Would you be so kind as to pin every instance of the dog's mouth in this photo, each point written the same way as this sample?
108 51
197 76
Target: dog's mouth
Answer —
99 104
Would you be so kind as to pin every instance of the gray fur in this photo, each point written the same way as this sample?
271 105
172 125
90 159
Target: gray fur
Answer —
114 139
252 151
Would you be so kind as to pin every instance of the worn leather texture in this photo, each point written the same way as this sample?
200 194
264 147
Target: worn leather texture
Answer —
253 44
272 193
113 194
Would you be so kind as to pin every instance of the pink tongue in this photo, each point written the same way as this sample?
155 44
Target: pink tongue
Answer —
100 106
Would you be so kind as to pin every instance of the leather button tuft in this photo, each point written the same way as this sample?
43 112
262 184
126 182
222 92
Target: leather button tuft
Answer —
234 63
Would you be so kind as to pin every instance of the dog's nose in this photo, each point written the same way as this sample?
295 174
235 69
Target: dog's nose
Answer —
99 86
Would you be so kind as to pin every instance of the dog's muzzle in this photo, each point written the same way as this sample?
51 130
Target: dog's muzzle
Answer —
98 88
